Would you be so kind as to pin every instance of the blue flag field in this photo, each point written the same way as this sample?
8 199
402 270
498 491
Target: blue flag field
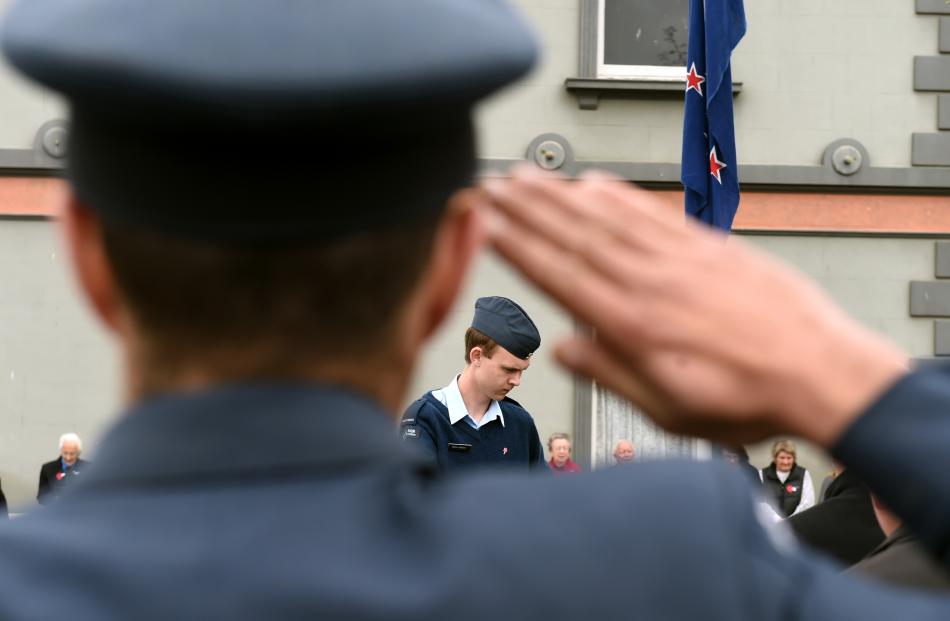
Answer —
709 170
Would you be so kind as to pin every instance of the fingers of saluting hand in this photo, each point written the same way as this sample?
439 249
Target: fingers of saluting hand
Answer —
549 247
670 387
597 245
584 215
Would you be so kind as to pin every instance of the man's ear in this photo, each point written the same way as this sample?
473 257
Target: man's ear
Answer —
83 241
475 355
459 238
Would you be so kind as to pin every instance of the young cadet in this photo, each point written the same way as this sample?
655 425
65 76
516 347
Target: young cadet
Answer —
472 421
271 279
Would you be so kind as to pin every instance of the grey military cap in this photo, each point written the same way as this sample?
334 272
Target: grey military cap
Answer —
507 324
249 121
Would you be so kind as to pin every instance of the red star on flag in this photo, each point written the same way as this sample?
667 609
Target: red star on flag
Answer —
715 165
694 81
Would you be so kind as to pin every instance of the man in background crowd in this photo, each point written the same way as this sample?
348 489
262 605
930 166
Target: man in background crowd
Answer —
60 472
843 525
739 457
472 421
559 447
624 453
901 558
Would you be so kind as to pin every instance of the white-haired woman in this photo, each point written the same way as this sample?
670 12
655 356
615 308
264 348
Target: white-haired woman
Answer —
59 472
786 484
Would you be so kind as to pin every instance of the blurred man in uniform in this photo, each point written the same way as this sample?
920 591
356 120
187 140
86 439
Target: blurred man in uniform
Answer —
271 278
56 474
843 525
899 558
472 421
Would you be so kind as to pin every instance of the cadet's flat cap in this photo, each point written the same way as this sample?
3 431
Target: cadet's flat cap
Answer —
507 324
254 121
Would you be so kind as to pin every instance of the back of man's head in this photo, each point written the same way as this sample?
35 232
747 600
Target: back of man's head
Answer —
268 178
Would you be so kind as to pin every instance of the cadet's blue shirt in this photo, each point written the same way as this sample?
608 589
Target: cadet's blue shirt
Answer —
510 439
451 397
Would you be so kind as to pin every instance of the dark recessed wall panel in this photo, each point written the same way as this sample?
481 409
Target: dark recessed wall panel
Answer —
942 338
929 299
943 260
943 112
931 150
932 73
939 7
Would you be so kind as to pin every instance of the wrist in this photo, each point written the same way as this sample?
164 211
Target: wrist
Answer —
846 378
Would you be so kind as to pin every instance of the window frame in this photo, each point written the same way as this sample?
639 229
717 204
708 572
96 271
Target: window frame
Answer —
602 71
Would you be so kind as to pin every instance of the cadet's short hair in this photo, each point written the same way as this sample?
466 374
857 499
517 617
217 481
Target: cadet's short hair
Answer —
265 311
475 338
558 435
783 445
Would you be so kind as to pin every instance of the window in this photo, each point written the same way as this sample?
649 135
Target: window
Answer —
641 39
631 48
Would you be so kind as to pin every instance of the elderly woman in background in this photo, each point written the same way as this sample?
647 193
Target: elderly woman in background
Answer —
559 446
785 483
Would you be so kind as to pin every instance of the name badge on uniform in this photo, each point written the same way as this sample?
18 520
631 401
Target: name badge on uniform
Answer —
410 433
456 446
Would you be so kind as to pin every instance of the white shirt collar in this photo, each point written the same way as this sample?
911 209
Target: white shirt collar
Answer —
452 398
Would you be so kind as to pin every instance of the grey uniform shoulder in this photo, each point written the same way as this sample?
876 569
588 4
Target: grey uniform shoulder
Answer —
418 418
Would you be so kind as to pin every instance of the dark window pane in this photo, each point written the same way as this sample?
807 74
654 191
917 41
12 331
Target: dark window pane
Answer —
645 32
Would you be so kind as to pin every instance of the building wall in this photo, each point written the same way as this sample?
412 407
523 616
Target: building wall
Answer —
58 371
812 71
23 106
869 278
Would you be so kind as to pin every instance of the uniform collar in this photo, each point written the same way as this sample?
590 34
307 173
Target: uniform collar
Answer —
458 411
902 534
240 430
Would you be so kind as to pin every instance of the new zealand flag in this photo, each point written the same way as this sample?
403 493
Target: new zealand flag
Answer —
710 173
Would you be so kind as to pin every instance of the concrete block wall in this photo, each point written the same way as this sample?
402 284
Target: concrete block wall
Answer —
24 107
932 73
813 71
869 278
58 370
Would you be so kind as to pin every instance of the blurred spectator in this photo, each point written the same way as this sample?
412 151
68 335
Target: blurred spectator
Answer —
900 559
624 452
739 457
829 478
559 447
59 472
787 485
844 525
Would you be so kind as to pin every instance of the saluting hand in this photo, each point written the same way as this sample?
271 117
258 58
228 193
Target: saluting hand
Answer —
706 334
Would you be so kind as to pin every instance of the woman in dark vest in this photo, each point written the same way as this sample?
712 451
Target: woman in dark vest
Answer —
786 484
